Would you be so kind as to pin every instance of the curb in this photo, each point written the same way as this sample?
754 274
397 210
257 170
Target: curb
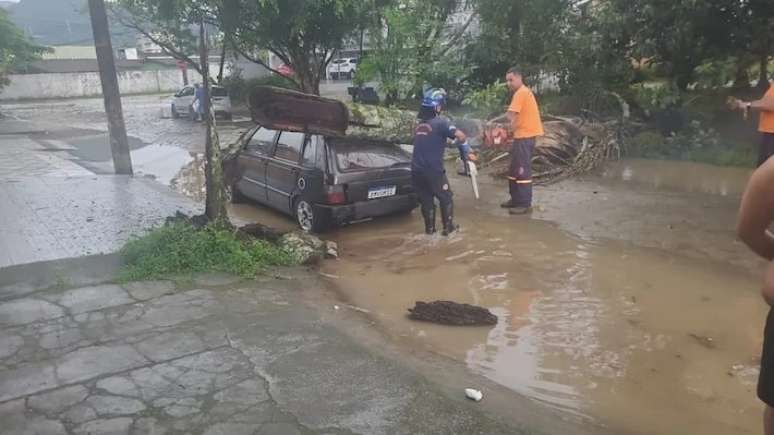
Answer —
78 271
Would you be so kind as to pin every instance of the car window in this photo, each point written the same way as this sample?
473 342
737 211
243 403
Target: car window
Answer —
219 92
262 141
358 155
289 146
187 92
313 153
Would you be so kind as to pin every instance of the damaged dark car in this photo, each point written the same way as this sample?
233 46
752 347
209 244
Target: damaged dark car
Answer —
299 161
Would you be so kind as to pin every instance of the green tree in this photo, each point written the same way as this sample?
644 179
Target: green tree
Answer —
16 50
412 44
758 25
172 25
680 35
182 27
583 48
304 34
526 33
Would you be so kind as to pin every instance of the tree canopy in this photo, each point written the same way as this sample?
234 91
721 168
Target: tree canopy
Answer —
16 49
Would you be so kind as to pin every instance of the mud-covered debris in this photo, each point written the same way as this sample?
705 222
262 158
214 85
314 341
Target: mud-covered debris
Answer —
198 221
452 313
305 248
703 340
260 231
331 250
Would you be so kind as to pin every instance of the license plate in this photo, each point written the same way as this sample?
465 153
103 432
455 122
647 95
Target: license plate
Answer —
381 192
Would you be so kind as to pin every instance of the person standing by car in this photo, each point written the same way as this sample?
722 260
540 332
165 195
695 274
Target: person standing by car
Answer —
524 116
198 103
427 171
766 123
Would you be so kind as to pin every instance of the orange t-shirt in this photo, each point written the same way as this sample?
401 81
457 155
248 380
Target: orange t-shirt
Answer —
528 123
766 124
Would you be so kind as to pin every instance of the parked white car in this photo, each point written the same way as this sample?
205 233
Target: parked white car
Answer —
182 102
343 67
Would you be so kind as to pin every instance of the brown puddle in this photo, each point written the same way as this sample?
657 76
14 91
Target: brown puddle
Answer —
680 176
640 339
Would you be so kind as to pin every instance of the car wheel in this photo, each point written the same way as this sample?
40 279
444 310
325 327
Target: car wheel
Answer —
237 197
307 219
174 112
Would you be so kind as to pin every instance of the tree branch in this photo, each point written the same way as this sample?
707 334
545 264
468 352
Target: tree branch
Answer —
222 61
166 46
453 40
259 61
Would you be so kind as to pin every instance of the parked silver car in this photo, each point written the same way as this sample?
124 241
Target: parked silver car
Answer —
182 102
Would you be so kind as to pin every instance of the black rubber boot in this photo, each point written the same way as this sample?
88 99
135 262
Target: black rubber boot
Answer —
447 217
429 217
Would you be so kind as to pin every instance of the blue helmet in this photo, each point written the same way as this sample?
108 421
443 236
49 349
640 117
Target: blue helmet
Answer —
434 98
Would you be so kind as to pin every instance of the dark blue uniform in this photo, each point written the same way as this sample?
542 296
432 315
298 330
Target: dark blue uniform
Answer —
428 173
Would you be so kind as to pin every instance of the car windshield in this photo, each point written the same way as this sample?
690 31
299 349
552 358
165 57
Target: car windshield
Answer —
355 155
219 92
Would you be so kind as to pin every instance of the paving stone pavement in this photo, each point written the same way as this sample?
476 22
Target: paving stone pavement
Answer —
216 356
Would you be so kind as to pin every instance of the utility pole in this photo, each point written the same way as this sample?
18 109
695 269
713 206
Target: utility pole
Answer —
119 144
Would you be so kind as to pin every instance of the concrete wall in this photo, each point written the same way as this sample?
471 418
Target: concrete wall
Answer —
68 85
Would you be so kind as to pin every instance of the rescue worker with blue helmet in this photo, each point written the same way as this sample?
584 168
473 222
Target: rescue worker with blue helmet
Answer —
427 170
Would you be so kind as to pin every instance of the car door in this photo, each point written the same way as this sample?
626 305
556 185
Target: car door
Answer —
283 169
184 99
252 164
311 181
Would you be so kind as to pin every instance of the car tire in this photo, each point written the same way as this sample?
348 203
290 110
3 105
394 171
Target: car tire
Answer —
174 112
237 197
306 217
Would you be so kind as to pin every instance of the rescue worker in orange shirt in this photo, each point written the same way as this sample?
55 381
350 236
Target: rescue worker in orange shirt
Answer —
524 116
766 124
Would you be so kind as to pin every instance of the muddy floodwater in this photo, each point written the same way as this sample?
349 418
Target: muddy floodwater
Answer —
624 300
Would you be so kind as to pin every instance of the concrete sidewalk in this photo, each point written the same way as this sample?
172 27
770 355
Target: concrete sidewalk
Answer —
51 207
218 356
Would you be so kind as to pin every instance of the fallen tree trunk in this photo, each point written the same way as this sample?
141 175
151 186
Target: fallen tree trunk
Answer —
570 146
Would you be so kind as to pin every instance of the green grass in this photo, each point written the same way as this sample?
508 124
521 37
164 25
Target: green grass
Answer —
650 144
180 249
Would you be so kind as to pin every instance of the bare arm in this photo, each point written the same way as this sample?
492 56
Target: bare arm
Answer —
513 118
757 212
765 104
767 291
